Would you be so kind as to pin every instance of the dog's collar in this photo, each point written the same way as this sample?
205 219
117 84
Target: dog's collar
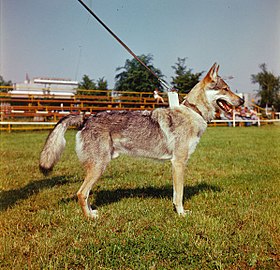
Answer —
193 107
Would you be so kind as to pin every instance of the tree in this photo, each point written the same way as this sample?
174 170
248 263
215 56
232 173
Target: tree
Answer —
89 84
134 77
269 87
86 84
5 83
184 80
102 84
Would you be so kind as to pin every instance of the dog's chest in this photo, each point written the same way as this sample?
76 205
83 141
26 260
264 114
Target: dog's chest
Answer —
195 138
192 144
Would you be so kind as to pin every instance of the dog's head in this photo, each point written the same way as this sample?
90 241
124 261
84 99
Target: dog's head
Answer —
218 92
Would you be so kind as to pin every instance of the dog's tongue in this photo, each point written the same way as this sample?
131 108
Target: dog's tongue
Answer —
227 107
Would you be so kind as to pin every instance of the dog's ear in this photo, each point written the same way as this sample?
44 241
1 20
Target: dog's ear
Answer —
212 73
217 70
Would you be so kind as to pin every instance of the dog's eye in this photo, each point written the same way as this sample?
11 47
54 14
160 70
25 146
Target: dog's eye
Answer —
225 88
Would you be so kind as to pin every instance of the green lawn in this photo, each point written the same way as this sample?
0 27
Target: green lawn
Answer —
231 186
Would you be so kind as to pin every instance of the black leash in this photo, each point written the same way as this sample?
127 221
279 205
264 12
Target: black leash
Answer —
124 45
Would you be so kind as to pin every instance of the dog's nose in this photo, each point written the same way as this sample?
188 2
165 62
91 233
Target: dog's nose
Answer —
242 101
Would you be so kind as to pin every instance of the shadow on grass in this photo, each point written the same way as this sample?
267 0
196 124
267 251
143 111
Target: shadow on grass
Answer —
102 197
105 197
10 197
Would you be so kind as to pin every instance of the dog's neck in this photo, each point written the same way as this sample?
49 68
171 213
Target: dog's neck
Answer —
192 106
197 100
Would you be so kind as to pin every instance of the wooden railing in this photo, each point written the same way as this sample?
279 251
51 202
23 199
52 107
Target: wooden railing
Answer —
50 108
39 107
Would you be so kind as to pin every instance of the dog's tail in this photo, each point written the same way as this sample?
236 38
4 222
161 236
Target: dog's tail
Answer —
55 142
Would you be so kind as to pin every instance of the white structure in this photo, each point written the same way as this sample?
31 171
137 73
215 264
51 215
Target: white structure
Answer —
251 98
46 86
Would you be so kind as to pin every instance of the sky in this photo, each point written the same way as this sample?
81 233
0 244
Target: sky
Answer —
58 38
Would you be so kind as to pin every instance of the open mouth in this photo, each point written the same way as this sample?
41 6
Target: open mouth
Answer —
223 105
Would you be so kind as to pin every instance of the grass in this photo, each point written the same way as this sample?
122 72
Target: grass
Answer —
232 188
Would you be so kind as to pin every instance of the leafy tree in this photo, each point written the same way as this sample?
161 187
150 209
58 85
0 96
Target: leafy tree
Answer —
86 84
269 87
5 83
184 80
134 77
89 84
102 84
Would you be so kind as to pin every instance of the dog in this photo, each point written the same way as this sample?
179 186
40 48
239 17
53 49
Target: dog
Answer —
163 134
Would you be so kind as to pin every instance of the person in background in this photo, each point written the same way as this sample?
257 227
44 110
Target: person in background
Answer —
226 116
254 117
237 116
157 97
245 115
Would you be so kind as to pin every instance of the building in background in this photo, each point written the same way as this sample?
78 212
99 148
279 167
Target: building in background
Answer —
46 86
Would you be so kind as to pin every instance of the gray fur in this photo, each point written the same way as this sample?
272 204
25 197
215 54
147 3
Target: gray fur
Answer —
164 134
55 142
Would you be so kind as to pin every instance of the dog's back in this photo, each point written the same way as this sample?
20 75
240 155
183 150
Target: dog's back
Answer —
147 134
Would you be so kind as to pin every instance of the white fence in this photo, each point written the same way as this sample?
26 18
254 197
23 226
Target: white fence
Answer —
258 122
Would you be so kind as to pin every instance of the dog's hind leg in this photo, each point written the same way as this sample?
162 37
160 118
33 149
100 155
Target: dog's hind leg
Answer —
178 168
93 173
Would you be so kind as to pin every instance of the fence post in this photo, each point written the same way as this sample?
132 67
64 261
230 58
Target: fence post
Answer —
233 118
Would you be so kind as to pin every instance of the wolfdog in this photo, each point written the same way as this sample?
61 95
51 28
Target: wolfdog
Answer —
163 134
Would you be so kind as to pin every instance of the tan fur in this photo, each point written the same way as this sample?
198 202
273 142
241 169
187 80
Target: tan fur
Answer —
164 134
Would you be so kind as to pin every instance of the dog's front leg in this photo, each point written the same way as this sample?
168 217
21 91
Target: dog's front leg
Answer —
178 168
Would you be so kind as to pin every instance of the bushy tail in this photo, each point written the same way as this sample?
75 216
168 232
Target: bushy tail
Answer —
55 142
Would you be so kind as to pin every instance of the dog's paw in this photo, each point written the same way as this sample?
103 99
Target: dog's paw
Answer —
93 214
185 213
